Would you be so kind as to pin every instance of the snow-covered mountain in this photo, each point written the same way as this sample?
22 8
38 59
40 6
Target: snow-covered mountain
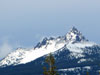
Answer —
73 40
74 55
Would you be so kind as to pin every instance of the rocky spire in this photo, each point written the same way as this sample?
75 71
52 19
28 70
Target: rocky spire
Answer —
75 36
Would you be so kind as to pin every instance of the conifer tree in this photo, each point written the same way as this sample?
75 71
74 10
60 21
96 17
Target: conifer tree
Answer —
99 73
51 63
87 73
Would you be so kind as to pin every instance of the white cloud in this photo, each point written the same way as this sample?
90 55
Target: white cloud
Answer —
5 48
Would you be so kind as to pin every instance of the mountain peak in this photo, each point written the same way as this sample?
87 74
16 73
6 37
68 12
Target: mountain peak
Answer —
74 35
74 29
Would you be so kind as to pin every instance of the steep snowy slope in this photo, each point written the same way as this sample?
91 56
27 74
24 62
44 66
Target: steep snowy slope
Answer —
73 40
22 56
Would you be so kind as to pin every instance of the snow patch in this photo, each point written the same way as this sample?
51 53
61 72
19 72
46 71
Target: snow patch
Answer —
81 60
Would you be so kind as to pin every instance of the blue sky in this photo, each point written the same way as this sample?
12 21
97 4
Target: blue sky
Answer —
24 22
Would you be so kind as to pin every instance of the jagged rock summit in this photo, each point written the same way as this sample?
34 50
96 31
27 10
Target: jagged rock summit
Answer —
75 36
